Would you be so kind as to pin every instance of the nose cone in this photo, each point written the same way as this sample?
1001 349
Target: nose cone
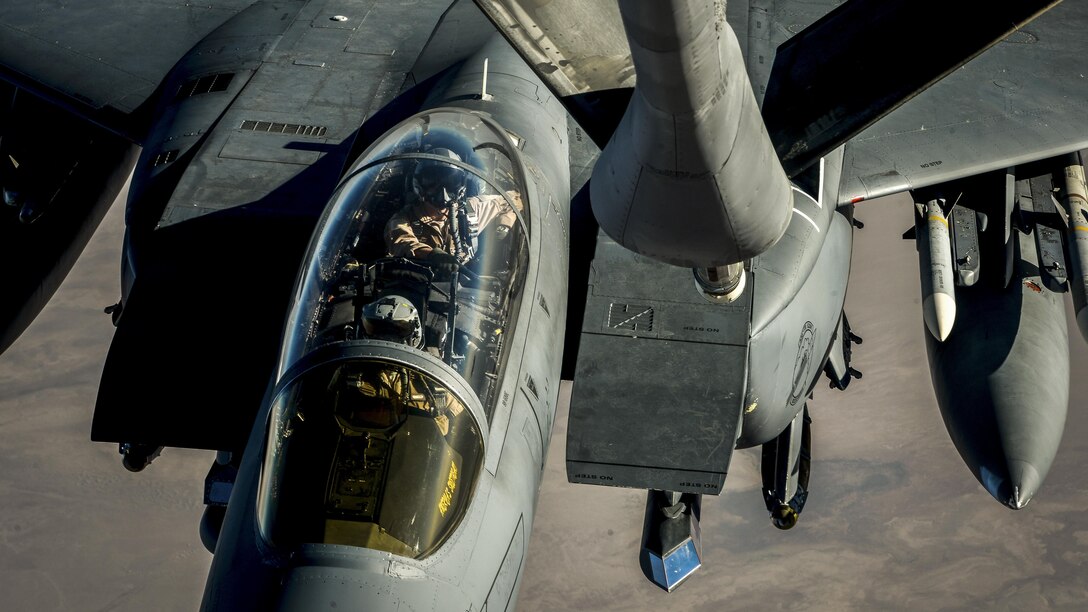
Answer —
1025 481
1014 486
939 313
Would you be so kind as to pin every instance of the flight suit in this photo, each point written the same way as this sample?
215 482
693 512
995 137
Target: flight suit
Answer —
414 232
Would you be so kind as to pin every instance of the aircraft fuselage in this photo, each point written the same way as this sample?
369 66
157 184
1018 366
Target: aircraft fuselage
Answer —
358 539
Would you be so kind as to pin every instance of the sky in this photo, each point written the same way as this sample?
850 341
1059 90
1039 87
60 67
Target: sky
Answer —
894 519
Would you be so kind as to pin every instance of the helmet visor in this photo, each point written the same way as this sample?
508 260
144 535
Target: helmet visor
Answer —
436 181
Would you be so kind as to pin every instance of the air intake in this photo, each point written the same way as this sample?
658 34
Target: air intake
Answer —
205 84
291 129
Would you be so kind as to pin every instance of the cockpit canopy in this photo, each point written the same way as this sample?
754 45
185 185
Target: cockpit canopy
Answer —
434 214
423 251
368 452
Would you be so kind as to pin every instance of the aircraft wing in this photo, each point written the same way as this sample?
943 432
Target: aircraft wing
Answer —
102 59
77 86
218 246
1023 99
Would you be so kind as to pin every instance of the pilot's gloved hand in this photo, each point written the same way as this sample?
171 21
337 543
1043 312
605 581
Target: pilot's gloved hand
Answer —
443 262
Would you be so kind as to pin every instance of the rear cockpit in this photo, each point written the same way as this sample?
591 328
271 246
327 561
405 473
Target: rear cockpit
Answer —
368 452
400 324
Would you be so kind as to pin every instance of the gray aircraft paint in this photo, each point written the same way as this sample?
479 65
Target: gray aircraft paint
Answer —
1028 85
480 563
799 289
965 258
1001 377
691 110
258 190
1002 380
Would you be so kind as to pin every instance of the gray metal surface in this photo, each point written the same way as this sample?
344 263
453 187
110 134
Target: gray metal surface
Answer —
766 24
965 253
1041 217
863 43
785 355
668 383
480 564
237 207
1002 380
553 38
690 176
572 59
322 73
658 389
1001 377
1024 99
103 53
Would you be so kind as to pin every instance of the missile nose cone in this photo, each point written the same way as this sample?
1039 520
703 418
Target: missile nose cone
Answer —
939 312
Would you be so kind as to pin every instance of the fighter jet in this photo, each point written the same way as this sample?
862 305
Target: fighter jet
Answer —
360 255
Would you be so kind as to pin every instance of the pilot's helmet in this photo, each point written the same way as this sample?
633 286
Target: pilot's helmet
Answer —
436 182
395 319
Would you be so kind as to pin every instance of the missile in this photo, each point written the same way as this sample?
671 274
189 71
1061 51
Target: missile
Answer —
1075 198
935 269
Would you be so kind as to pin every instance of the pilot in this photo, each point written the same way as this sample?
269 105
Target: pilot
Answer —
395 319
425 229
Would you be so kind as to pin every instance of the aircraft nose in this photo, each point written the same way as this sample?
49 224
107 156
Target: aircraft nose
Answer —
1016 488
1026 481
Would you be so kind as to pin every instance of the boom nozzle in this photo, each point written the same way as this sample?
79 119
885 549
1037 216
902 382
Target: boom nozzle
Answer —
671 546
690 176
721 283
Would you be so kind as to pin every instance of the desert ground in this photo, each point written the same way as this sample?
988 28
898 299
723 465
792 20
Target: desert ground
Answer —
894 520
